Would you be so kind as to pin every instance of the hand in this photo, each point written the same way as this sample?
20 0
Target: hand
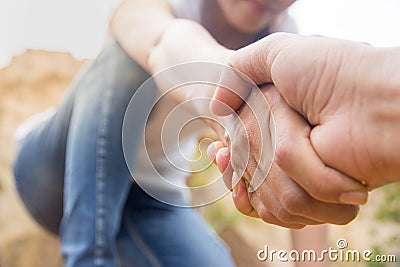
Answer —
280 199
349 93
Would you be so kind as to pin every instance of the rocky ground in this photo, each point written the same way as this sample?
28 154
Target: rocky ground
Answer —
36 80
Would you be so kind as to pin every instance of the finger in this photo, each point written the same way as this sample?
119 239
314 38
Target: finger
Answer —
329 139
229 96
241 200
245 206
265 200
221 156
279 213
298 202
271 60
255 61
212 150
268 217
222 160
297 158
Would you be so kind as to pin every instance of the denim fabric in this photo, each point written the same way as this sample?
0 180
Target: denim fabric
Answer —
71 174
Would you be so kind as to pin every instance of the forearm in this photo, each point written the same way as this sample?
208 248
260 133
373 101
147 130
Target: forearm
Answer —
138 25
149 33
152 36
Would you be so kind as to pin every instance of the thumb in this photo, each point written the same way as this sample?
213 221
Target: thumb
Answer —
231 92
249 66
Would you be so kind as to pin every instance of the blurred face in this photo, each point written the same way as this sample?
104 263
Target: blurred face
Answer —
251 16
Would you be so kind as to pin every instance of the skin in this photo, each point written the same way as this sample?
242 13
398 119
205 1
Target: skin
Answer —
251 16
352 105
168 41
280 199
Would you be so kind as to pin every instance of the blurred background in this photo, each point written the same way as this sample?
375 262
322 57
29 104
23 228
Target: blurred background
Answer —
79 26
43 43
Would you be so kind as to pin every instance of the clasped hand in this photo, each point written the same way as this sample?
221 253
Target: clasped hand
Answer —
329 118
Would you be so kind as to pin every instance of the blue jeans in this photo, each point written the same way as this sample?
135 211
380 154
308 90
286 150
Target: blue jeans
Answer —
71 174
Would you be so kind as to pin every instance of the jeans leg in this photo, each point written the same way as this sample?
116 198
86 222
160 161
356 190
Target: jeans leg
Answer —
97 179
156 234
40 163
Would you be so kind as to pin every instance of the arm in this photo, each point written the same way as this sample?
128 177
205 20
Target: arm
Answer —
152 36
166 40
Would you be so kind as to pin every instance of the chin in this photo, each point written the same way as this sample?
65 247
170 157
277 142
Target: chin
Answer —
247 23
249 27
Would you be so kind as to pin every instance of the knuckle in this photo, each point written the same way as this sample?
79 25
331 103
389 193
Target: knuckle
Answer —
282 153
283 215
265 215
277 36
294 202
242 208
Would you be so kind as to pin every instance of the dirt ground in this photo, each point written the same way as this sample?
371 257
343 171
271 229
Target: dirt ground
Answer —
32 82
35 81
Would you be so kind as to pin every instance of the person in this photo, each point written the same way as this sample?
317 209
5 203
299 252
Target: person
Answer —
71 170
337 88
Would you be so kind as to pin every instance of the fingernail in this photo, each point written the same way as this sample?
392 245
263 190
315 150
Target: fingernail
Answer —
223 152
354 197
222 159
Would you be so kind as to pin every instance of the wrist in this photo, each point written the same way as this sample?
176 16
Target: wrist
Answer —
380 91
